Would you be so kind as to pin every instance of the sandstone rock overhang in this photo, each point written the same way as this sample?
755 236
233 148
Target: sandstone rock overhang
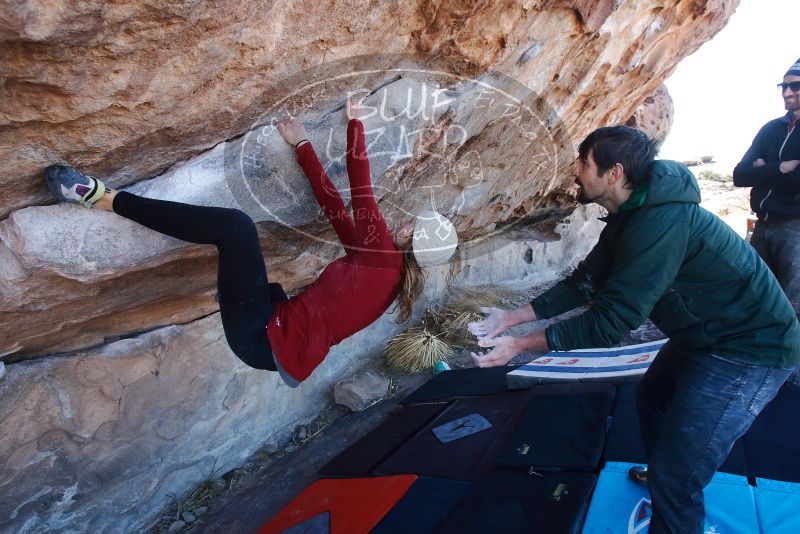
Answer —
127 91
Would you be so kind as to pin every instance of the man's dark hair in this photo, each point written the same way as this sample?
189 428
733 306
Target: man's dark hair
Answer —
624 145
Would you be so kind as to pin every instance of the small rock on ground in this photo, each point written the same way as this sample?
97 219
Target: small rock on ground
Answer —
300 433
361 391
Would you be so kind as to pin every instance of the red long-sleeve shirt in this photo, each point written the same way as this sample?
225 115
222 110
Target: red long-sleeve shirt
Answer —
353 291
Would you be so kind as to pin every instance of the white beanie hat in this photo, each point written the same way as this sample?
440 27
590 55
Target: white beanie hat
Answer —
435 239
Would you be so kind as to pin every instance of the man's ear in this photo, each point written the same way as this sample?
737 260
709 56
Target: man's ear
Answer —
616 174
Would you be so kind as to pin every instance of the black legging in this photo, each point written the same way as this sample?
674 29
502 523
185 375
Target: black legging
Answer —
246 299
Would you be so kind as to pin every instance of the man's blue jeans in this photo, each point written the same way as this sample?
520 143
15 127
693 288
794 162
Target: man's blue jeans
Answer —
778 244
692 407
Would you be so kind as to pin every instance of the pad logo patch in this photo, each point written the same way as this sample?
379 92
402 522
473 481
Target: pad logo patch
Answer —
639 520
640 516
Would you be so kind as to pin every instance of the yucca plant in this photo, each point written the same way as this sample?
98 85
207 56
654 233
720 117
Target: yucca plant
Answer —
415 350
455 328
452 325
444 325
463 300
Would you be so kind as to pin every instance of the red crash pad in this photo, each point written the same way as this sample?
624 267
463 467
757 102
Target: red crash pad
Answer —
355 505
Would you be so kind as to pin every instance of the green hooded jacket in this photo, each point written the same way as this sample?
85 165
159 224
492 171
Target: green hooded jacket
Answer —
665 257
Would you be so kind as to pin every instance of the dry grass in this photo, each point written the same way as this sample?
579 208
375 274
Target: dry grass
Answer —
444 327
464 300
415 350
201 495
451 325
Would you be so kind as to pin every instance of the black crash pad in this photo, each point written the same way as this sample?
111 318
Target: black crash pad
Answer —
462 383
514 501
468 458
772 445
563 428
361 458
424 507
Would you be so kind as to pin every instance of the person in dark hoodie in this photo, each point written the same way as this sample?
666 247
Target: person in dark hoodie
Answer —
734 337
770 167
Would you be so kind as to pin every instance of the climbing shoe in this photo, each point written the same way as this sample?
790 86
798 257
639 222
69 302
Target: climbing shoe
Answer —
638 474
69 185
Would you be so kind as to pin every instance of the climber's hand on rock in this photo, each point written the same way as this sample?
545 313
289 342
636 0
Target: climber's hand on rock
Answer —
355 108
292 130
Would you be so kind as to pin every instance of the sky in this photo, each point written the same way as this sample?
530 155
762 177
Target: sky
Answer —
725 92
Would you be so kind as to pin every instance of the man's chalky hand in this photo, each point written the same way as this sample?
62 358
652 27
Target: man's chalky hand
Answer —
492 325
504 349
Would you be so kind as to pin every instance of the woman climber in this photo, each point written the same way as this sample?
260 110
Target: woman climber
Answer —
350 294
